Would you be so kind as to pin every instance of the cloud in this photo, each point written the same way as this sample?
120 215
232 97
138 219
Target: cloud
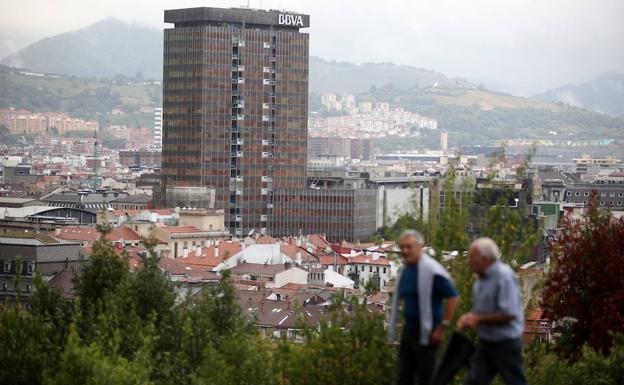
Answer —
519 46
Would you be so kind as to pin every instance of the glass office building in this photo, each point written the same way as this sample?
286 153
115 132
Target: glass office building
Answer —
235 109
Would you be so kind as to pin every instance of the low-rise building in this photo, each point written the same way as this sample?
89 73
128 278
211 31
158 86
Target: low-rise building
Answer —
25 253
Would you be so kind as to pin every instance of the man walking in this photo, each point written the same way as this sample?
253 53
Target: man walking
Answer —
498 317
423 285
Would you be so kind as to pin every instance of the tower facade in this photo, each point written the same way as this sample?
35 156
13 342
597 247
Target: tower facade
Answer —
235 109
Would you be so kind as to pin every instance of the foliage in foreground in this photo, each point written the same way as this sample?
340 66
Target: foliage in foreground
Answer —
128 328
584 292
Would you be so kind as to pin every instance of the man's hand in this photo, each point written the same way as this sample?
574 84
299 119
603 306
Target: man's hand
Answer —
468 321
437 335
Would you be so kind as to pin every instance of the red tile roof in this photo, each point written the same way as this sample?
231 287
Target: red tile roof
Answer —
265 239
318 241
291 252
179 267
330 260
182 229
368 260
78 233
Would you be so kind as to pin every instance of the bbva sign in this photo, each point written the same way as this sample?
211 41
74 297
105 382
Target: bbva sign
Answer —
294 20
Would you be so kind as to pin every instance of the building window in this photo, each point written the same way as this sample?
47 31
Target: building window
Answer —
370 269
29 268
384 270
7 267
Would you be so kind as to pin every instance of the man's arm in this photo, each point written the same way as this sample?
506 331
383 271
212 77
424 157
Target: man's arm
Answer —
507 300
472 320
449 309
444 288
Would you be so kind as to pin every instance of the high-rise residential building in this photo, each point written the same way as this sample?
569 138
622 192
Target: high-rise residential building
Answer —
444 140
235 106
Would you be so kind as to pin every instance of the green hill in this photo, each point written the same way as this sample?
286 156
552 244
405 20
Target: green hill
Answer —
480 116
38 91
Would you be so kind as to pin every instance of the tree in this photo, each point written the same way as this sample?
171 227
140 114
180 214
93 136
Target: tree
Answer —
584 291
346 349
92 365
24 343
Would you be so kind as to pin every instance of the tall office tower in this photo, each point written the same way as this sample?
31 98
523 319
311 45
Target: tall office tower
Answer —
235 99
158 128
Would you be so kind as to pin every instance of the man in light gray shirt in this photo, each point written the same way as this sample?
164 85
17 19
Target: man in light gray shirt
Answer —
498 317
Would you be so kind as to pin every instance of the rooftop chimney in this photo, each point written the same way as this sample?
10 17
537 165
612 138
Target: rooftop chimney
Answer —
216 248
57 231
185 252
262 306
198 251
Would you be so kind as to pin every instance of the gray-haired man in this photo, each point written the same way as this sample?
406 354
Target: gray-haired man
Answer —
498 317
422 286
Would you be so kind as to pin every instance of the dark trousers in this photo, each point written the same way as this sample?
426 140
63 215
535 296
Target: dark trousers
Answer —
491 358
416 362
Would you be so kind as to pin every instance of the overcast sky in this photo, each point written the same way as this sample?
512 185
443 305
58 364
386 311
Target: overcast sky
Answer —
518 46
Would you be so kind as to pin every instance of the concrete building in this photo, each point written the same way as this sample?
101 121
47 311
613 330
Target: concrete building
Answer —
140 158
347 147
339 213
34 252
43 218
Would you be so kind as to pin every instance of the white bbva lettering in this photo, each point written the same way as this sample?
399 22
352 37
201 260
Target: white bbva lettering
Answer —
296 20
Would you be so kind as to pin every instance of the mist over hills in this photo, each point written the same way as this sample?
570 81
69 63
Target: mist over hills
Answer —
110 47
101 50
605 94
